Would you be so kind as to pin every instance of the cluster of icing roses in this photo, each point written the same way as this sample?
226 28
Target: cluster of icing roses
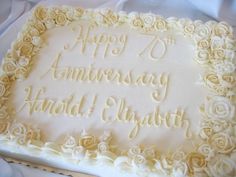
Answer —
4 95
221 78
218 136
148 160
147 21
107 17
214 42
54 16
181 164
138 160
222 165
220 84
217 131
18 60
89 147
141 158
202 163
216 50
185 26
4 89
218 164
20 134
4 119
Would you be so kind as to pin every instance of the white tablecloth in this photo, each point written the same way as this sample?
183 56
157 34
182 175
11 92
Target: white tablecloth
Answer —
177 8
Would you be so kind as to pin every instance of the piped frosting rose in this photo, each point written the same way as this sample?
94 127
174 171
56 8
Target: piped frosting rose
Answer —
196 162
189 28
228 80
148 19
221 142
9 67
40 13
69 145
202 31
202 56
206 150
218 54
133 151
50 23
3 112
89 142
4 125
149 153
23 61
2 89
18 130
180 169
139 161
222 166
40 27
60 18
103 147
135 20
222 29
160 24
206 132
203 44
218 107
224 67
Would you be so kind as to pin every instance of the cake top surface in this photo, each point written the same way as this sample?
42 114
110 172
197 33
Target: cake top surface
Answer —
141 92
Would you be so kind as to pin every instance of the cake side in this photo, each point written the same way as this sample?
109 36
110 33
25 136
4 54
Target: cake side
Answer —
214 48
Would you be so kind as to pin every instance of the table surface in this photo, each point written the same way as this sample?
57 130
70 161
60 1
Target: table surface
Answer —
166 8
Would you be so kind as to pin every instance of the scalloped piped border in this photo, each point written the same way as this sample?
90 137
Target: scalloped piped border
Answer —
215 49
